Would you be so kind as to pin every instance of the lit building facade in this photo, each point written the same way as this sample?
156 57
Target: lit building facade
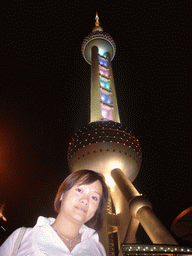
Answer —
105 146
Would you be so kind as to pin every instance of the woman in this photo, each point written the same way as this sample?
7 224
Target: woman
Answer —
81 199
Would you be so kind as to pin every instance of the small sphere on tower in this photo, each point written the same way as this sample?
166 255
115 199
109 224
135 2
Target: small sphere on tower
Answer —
100 39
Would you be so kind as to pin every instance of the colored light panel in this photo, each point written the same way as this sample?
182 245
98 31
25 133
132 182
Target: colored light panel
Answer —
106 112
105 84
103 71
101 52
106 98
103 61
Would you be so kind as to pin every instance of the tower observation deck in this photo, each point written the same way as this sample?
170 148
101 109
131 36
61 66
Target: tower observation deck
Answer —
105 144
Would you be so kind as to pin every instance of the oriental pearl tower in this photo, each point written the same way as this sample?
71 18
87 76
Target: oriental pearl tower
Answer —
105 146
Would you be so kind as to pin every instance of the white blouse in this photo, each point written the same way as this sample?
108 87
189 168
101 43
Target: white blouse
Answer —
43 240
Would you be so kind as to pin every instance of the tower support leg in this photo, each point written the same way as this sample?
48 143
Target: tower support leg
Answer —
131 232
140 208
153 227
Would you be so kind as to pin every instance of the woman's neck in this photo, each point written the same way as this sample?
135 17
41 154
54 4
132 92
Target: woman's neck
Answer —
65 227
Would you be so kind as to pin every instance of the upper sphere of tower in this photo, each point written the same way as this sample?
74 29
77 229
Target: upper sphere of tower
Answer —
100 39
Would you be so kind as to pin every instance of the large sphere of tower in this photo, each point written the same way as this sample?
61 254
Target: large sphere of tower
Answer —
98 38
103 146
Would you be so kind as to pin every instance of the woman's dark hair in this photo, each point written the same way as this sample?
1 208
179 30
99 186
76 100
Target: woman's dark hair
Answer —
82 177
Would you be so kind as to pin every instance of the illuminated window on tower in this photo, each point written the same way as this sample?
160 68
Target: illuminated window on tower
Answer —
101 52
105 84
103 71
106 112
106 98
103 61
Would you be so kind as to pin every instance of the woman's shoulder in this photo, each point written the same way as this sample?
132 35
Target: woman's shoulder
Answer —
13 237
91 238
87 232
8 246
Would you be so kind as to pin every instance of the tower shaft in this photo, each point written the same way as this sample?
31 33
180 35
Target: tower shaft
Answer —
103 95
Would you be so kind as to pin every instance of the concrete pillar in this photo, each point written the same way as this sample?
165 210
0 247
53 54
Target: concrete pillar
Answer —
141 209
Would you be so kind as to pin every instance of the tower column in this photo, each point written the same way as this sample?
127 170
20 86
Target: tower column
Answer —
141 209
95 114
124 184
153 227
131 232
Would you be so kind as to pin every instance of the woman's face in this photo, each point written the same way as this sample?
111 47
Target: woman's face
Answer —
80 203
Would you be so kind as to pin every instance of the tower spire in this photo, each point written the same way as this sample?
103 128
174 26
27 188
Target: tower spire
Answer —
97 20
97 24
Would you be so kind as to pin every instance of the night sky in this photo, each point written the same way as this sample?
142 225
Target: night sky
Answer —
44 99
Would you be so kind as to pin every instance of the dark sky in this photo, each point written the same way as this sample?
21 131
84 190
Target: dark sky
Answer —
45 84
